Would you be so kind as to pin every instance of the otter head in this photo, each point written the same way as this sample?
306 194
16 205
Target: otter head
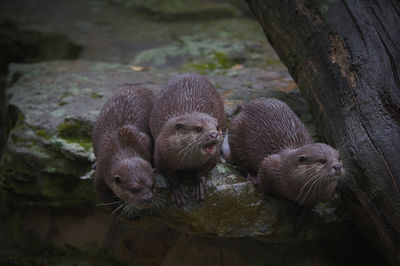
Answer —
196 135
320 160
318 166
133 182
307 175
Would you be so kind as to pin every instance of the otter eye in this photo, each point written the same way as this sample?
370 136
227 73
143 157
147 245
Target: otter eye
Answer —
117 179
302 159
198 129
135 190
179 126
322 161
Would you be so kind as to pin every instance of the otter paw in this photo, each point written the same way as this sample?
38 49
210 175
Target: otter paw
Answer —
200 189
178 196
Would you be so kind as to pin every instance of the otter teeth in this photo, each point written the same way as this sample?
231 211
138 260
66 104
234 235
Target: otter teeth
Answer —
208 150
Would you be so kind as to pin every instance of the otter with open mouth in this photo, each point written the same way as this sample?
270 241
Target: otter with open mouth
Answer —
186 123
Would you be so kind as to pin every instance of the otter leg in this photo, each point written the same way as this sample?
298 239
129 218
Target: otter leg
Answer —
178 194
200 189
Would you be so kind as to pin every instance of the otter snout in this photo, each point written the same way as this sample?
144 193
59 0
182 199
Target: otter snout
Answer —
147 199
337 169
213 134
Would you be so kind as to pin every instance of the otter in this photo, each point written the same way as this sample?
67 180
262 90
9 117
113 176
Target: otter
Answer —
123 149
273 145
186 123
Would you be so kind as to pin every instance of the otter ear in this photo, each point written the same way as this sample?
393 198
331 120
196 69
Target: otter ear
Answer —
116 179
179 126
302 159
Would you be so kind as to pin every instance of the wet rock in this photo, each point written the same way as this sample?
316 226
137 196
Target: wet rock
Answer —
49 155
202 53
46 178
181 9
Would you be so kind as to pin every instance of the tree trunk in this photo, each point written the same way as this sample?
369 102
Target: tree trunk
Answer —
345 58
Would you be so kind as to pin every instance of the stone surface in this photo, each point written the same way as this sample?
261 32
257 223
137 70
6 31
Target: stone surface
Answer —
49 157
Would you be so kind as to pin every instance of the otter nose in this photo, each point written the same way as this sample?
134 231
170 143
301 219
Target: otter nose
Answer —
214 135
148 199
337 166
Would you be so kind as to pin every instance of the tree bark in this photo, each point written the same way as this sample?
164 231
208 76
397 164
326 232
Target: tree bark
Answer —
345 57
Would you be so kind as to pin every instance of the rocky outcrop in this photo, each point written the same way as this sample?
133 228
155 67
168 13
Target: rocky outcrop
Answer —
47 179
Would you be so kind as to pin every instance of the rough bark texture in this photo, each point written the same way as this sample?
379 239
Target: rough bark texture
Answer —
345 57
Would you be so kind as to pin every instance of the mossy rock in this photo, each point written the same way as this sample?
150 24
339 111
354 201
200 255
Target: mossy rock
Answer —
49 156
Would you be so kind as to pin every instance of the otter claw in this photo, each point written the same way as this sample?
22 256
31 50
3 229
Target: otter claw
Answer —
178 196
200 188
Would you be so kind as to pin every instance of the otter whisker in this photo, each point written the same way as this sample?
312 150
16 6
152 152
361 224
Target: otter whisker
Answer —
187 147
309 181
310 189
131 211
320 182
304 186
189 152
119 207
110 203
122 212
310 169
345 183
125 211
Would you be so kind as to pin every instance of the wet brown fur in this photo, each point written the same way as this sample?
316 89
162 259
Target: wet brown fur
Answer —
270 142
188 102
123 149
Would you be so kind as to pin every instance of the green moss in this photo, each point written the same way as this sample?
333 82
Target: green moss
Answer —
222 218
72 128
68 128
273 62
64 95
86 143
95 95
217 60
222 60
248 85
16 139
42 133
200 51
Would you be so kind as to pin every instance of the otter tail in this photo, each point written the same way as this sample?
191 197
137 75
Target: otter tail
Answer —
226 149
